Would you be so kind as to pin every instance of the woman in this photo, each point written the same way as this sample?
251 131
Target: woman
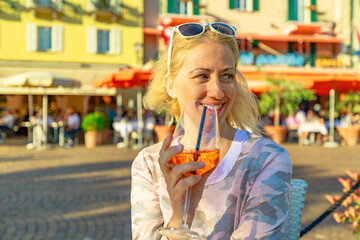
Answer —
246 196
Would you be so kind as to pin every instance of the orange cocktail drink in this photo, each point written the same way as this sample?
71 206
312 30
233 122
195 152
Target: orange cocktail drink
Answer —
209 157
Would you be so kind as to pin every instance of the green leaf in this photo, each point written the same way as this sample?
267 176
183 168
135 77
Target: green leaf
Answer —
95 121
291 94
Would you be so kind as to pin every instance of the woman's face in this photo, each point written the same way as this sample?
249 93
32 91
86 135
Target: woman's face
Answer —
208 75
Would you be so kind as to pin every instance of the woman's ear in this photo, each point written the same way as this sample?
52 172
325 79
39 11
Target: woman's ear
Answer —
170 88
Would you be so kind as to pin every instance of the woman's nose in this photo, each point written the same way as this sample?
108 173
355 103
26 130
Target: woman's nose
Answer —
215 89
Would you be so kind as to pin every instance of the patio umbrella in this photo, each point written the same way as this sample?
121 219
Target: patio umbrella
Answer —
328 86
128 78
41 79
338 83
125 78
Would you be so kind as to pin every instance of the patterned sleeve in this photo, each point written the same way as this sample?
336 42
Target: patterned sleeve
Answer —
266 204
146 216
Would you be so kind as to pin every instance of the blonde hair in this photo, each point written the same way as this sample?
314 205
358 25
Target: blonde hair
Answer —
244 113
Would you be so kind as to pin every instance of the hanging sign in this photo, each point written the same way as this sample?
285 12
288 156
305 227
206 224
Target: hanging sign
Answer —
290 59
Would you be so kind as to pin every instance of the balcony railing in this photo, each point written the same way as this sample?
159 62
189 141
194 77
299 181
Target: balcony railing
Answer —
45 7
105 9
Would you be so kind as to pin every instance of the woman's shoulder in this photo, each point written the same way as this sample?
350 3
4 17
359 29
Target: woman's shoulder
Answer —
257 143
260 151
146 162
150 153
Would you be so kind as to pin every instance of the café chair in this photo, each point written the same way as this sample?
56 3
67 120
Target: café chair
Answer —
296 206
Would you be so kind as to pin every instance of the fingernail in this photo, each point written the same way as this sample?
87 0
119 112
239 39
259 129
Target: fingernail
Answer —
201 164
178 147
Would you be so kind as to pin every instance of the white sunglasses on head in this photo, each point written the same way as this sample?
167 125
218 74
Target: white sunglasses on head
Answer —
189 30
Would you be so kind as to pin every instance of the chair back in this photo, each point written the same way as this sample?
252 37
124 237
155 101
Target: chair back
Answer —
296 206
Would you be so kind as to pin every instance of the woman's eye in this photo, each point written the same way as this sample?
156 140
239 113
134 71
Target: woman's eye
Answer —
228 77
202 76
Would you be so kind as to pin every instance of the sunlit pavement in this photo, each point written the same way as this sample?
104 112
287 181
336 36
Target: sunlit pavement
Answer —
83 194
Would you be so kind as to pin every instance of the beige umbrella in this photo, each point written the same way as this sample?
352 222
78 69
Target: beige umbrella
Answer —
40 79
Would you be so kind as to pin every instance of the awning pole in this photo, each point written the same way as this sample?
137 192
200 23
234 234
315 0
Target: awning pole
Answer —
140 118
31 105
119 102
45 115
331 143
331 114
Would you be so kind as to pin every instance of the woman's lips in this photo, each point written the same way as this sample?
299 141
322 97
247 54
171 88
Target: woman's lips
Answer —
213 107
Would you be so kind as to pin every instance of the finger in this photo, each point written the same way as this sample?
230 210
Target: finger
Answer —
169 153
166 143
166 156
187 182
178 171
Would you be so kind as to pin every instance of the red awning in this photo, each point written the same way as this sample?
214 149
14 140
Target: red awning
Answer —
339 83
291 27
125 78
151 31
320 82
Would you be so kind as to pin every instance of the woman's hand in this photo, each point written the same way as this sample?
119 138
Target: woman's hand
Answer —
176 182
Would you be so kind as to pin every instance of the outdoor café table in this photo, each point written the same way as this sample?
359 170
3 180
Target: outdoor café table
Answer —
124 127
312 128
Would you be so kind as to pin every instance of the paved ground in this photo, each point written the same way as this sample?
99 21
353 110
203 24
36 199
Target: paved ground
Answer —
84 194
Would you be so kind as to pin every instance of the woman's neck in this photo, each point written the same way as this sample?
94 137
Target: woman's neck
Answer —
226 137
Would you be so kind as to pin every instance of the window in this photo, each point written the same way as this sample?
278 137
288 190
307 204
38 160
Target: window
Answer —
103 41
244 5
181 7
176 6
296 10
44 36
44 3
110 5
240 4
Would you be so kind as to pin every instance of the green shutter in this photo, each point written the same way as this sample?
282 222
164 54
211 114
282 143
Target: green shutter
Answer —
312 54
171 6
291 10
196 10
256 5
232 4
313 13
291 47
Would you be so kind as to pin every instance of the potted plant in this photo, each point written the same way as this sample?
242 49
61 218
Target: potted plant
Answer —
349 211
96 126
162 128
350 103
283 97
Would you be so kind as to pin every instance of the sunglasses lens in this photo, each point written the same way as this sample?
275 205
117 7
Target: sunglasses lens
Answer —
190 29
224 29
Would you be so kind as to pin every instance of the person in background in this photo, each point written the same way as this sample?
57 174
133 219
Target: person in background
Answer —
72 124
312 117
7 120
246 195
300 115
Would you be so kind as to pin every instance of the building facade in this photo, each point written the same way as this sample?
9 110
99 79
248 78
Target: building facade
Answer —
78 39
301 39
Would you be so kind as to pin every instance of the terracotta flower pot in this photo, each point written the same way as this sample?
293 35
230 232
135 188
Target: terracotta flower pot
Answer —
277 134
91 138
105 134
162 131
350 134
